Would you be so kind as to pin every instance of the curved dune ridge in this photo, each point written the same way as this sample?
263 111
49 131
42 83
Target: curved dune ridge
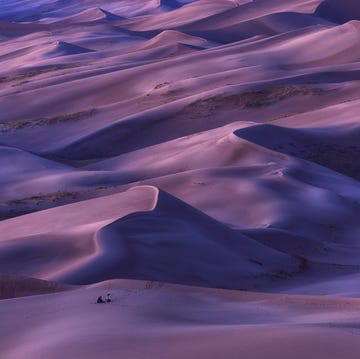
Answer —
105 248
171 37
263 26
170 43
91 15
198 160
62 48
126 248
29 236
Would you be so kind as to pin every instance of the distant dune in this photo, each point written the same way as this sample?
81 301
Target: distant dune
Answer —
198 160
90 15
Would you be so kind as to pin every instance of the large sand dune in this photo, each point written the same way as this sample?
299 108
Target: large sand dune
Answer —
209 143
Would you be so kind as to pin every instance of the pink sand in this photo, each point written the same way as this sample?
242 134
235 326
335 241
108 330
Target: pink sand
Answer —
208 144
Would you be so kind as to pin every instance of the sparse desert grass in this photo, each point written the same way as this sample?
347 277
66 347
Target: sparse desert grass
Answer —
20 206
159 86
12 286
27 74
248 99
48 197
43 121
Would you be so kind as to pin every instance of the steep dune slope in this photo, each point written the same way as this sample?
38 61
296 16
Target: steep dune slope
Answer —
91 246
339 11
89 15
336 151
178 244
42 244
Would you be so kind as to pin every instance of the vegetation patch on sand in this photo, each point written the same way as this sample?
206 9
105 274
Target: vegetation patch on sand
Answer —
20 206
249 99
51 197
27 74
12 286
43 121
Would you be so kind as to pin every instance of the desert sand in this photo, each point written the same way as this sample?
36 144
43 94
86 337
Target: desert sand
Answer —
199 160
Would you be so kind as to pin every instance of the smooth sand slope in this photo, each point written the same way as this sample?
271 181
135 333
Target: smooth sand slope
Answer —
150 319
209 144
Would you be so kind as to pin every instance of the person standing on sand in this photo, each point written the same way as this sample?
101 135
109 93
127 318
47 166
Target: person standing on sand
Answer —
108 298
100 299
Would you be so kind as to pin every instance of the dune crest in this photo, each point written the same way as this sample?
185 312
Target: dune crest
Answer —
125 249
92 14
171 36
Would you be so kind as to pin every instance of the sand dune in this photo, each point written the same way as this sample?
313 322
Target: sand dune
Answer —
19 165
337 152
279 195
222 14
117 245
332 48
171 116
185 15
27 237
90 15
126 249
265 26
208 143
61 48
175 37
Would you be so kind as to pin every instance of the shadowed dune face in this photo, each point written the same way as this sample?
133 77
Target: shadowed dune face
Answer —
339 11
335 151
199 142
170 242
176 243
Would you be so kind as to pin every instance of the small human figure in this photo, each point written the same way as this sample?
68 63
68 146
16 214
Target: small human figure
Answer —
100 299
108 298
